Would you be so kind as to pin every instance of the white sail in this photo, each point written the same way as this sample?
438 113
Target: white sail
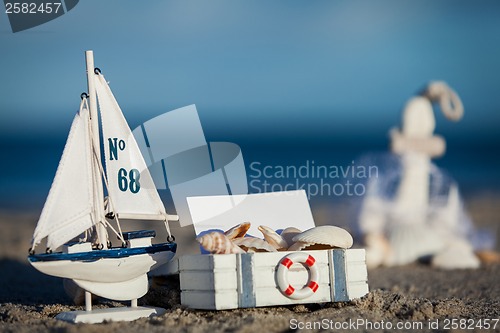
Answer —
68 209
130 185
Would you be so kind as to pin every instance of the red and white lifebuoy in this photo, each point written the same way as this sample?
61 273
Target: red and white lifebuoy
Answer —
282 275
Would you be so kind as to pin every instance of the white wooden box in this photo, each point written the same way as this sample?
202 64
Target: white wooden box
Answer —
230 281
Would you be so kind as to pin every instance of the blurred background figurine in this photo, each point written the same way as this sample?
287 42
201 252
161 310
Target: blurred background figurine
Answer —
413 211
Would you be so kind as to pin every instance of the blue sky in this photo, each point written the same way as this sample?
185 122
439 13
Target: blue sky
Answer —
305 78
284 69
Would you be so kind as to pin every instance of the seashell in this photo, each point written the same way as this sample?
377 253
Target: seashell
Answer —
289 233
272 237
488 257
322 238
459 254
298 246
238 231
254 244
218 243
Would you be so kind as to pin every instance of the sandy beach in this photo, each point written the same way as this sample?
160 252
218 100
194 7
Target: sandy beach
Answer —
407 295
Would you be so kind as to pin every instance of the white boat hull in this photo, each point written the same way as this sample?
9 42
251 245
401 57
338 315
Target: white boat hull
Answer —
104 270
117 274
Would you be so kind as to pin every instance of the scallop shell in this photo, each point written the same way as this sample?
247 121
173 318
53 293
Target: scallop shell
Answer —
252 244
298 246
324 237
218 243
289 233
238 231
273 238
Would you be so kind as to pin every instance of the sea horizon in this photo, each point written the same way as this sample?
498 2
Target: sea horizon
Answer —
29 167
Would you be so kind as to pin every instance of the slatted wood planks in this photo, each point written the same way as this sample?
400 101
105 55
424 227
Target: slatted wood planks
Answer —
217 282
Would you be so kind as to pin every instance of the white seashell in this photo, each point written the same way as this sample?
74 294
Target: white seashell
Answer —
329 236
289 233
297 246
272 237
458 254
218 243
254 244
238 231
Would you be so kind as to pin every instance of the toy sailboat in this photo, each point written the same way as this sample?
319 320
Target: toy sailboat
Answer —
77 216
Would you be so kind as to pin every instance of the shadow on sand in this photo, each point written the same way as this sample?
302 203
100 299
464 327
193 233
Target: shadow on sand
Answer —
21 283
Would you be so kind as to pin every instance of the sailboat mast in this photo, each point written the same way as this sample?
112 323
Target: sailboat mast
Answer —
89 57
98 186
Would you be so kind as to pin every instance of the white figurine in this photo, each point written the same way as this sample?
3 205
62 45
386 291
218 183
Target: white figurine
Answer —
409 227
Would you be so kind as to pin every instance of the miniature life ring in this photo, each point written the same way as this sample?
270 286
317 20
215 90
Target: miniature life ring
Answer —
282 275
